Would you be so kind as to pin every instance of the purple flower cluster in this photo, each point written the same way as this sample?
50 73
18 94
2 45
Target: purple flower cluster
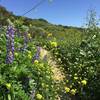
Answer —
37 55
10 44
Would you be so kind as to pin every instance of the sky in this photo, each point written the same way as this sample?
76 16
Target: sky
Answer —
65 12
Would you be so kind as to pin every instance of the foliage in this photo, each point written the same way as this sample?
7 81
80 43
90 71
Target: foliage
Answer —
76 50
82 64
25 77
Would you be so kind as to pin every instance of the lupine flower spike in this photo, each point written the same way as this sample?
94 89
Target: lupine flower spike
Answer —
37 55
10 44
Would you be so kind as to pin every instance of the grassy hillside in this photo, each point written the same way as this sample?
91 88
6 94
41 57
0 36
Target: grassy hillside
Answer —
38 23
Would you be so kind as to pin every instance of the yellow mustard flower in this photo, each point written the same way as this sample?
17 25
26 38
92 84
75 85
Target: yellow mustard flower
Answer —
8 85
67 81
53 44
36 61
30 56
79 82
84 82
67 89
39 97
49 34
75 77
16 54
73 91
29 35
75 74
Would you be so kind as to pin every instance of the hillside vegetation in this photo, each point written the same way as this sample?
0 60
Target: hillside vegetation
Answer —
42 61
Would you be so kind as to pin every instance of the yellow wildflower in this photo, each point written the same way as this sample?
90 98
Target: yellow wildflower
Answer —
78 82
8 85
75 78
49 34
53 44
67 89
36 62
84 82
39 96
30 56
67 81
16 54
29 35
73 91
75 74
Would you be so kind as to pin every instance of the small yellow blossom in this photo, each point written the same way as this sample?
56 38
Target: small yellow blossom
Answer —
39 97
16 54
53 44
8 85
73 91
75 74
30 56
67 89
79 82
75 78
67 81
49 34
29 35
84 82
36 62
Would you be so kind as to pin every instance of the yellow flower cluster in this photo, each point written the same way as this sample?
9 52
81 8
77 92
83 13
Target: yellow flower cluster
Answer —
53 44
67 89
36 62
39 96
84 82
30 56
72 91
49 35
75 77
8 85
16 54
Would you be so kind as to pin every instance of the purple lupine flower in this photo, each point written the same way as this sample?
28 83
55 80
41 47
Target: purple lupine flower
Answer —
10 44
37 55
